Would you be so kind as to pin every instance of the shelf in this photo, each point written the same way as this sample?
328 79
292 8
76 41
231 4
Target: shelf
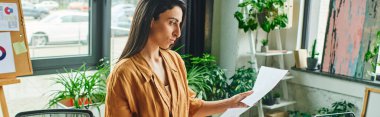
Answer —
270 53
273 53
287 77
282 104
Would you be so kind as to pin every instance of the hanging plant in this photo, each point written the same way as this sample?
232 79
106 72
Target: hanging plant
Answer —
263 13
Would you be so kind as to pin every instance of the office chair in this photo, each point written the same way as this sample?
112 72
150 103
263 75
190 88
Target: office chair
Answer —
56 113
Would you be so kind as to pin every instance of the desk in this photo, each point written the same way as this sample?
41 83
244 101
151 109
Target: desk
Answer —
3 82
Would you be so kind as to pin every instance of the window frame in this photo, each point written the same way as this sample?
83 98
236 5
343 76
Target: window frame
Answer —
100 38
99 43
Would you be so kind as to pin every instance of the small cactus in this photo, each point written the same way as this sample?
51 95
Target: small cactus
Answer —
313 51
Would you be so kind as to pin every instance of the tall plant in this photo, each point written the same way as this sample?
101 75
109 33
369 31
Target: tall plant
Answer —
196 81
371 55
206 78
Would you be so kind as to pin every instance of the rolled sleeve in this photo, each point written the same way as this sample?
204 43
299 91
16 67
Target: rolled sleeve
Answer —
195 103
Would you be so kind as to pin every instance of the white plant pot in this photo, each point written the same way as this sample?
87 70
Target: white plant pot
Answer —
264 48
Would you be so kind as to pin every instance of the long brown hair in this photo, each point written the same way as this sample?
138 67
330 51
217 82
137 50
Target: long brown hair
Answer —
147 10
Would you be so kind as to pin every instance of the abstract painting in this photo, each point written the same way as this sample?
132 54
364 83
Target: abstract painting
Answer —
352 24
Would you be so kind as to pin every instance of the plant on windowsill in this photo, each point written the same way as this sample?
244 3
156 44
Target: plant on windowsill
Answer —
371 55
263 13
264 47
80 89
312 61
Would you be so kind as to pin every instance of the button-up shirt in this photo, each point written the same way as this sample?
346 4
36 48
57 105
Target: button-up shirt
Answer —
133 89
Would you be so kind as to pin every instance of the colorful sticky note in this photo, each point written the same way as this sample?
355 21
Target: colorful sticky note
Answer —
19 47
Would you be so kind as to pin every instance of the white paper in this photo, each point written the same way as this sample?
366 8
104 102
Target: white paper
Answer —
9 20
266 80
7 64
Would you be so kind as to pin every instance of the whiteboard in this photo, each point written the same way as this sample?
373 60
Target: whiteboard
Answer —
371 105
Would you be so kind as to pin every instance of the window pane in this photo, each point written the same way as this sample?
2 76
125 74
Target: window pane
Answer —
57 28
317 25
121 18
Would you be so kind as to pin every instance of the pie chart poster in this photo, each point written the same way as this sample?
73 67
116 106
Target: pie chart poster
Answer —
7 64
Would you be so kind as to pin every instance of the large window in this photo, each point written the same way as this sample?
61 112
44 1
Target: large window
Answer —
121 18
57 28
64 33
317 21
316 27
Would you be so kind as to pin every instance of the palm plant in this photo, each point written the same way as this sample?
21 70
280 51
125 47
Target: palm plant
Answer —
205 77
82 89
196 81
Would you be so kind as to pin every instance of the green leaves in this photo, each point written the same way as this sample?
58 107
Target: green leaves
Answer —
242 80
370 55
205 77
267 10
298 114
378 38
338 107
251 23
314 52
79 86
264 42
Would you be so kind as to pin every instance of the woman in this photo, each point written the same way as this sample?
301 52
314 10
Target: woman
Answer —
149 79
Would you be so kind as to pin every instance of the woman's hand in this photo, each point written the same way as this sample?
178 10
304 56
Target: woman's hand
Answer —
234 102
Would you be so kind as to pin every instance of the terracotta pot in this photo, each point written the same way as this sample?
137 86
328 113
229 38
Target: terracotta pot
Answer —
70 102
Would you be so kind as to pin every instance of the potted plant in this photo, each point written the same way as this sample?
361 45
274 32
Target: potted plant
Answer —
371 55
338 107
206 78
196 81
268 99
264 47
298 114
312 61
277 98
263 13
242 81
81 90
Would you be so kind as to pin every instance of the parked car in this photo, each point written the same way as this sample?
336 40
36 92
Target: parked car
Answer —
49 5
81 6
29 10
59 28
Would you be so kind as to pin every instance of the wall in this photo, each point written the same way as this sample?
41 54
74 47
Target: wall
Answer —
230 45
311 91
315 91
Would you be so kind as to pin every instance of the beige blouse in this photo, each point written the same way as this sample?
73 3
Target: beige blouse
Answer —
134 90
